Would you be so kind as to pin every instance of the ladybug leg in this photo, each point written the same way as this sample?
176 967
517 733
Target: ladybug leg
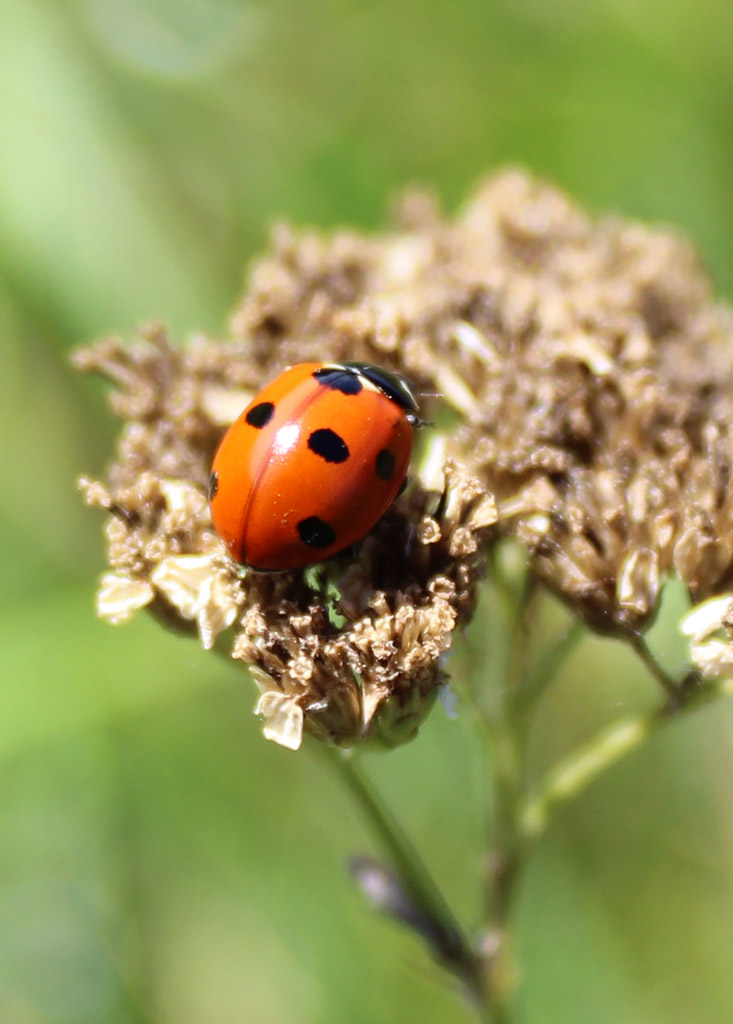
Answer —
416 422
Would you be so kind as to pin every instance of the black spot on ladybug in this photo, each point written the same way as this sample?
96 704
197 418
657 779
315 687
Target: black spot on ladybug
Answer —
213 485
260 415
316 533
385 465
327 443
338 379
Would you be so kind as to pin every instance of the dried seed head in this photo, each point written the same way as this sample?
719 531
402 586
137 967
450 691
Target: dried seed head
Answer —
348 652
588 374
588 366
375 674
164 555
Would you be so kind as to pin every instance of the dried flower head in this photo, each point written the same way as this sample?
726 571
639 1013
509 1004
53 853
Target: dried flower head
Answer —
586 379
348 651
587 364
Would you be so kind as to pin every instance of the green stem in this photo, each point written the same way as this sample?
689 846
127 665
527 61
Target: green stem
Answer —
457 954
670 686
400 850
504 860
502 729
576 771
550 664
520 700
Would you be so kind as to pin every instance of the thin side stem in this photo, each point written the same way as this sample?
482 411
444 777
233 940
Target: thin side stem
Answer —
671 687
576 771
550 664
399 848
456 952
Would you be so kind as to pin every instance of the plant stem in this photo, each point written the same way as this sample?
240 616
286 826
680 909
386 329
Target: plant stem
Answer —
576 771
579 768
454 949
670 686
503 730
550 664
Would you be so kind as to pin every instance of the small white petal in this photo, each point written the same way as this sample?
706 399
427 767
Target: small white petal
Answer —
262 680
180 497
120 596
484 514
638 581
283 719
538 524
584 349
373 697
471 339
705 618
536 497
431 467
456 392
223 405
180 578
216 611
406 258
713 657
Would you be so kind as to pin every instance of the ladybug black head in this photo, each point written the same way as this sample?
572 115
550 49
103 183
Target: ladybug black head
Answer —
393 385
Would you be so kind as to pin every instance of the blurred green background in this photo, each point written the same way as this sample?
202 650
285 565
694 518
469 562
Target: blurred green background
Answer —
159 861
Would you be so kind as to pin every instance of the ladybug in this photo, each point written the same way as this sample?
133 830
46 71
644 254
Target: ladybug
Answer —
312 463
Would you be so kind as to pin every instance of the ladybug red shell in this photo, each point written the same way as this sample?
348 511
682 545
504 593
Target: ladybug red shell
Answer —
311 464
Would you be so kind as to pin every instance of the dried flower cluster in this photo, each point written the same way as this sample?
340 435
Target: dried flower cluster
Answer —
349 651
586 377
